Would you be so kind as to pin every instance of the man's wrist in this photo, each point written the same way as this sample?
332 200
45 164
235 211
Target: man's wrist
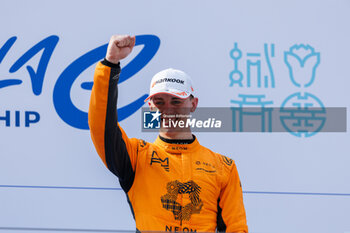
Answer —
110 64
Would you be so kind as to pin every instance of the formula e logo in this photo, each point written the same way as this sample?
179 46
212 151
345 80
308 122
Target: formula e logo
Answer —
61 95
62 100
151 119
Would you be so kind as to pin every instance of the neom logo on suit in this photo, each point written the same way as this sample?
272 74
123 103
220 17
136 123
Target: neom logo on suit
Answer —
62 101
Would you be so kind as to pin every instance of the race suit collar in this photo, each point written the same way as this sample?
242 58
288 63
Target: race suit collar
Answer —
178 141
175 147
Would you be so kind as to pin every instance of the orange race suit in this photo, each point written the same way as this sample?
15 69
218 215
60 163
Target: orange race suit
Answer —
169 186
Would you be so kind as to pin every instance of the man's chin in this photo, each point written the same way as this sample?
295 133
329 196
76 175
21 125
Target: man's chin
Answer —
173 125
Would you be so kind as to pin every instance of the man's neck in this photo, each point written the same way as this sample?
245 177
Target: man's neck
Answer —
176 135
178 141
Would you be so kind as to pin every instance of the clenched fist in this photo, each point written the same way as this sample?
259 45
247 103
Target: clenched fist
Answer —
119 47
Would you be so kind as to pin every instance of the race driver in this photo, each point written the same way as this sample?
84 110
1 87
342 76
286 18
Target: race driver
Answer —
173 184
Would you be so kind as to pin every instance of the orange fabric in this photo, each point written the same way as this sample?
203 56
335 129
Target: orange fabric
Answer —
176 186
98 109
178 172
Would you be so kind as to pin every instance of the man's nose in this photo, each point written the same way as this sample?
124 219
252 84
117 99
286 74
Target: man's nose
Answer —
167 109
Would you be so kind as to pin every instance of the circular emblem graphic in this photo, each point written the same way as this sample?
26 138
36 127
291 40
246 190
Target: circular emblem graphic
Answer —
302 114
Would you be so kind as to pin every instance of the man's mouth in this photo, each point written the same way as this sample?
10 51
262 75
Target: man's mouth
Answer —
170 118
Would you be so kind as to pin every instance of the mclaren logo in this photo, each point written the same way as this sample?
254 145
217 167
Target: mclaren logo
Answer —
180 212
227 160
163 162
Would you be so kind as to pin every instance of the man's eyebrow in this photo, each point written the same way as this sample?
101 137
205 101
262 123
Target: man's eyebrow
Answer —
172 98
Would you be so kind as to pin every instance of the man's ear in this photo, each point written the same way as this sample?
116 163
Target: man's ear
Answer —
194 104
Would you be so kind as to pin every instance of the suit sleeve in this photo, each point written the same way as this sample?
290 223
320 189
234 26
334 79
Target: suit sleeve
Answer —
231 212
117 151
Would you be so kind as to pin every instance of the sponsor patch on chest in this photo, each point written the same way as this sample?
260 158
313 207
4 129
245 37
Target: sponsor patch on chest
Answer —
164 163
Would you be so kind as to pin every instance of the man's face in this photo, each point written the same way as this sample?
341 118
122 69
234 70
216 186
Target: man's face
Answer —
170 105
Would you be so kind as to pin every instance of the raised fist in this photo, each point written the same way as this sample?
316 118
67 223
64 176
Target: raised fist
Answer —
119 47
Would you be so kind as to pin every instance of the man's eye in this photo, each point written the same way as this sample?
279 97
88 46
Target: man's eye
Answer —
176 102
158 103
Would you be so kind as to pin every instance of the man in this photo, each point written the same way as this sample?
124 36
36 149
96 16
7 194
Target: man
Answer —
173 184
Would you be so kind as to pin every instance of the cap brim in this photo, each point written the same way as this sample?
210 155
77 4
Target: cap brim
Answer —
181 95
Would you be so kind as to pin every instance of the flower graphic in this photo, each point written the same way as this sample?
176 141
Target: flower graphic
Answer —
302 61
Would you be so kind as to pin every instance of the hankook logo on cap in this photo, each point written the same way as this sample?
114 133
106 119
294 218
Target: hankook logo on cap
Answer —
173 80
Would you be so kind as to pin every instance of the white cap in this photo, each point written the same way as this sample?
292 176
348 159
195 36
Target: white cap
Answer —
173 82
